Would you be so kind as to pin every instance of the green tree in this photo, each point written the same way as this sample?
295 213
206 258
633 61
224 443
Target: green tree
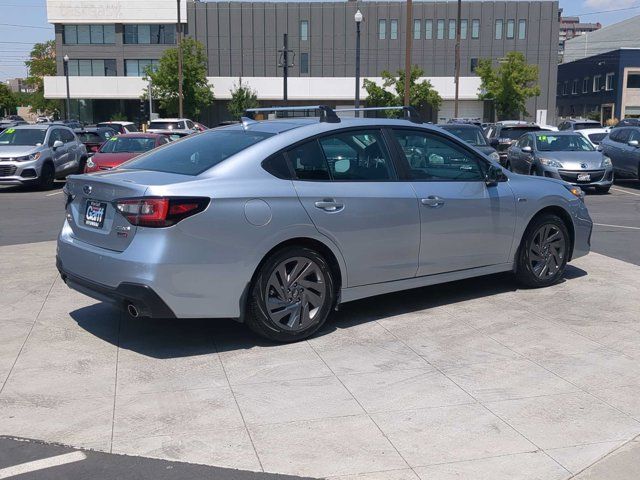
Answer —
509 85
42 63
7 100
196 91
242 97
391 93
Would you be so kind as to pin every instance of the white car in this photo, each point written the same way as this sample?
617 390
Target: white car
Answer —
161 125
120 126
594 135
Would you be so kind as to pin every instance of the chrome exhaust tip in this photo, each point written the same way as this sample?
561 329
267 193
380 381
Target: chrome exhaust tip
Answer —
133 310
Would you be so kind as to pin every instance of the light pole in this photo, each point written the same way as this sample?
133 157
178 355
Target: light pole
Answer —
179 32
358 18
65 62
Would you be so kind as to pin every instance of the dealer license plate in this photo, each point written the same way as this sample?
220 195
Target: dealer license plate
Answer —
584 177
95 213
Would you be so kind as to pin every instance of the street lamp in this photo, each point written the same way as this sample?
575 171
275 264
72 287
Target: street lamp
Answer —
358 18
65 61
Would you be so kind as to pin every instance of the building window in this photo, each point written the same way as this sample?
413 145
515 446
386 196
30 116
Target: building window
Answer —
511 26
474 64
417 27
498 29
89 34
138 68
452 29
522 29
574 88
382 29
304 30
596 83
158 34
633 80
440 29
475 29
304 63
394 30
92 68
565 88
428 29
609 81
463 29
585 85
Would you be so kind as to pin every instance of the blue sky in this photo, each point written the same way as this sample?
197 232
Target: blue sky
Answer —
31 18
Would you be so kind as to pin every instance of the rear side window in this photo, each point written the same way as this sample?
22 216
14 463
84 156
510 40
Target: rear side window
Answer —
197 153
277 166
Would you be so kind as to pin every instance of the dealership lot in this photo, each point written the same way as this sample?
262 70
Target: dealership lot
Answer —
472 379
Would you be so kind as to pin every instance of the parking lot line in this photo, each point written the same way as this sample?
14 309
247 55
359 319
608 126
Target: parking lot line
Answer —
42 464
54 193
616 226
626 191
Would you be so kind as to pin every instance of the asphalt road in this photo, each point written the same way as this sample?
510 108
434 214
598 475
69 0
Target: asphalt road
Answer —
28 216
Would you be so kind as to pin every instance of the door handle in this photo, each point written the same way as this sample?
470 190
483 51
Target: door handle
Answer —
329 205
432 201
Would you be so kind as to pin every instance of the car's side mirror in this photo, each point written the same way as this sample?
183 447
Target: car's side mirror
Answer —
493 142
633 143
494 175
599 148
527 149
57 144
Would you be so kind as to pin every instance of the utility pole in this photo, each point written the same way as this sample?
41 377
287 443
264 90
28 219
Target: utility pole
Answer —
358 18
179 31
284 63
407 55
457 66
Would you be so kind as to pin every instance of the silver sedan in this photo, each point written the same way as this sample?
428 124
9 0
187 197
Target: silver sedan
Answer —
568 156
277 222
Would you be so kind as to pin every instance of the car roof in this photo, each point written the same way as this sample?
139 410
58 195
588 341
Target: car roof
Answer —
458 125
38 126
559 133
138 135
170 119
117 122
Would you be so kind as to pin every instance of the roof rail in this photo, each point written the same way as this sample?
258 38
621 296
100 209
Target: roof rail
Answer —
326 113
408 112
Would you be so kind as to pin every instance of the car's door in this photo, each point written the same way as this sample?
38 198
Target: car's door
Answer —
526 158
72 147
348 185
630 159
616 150
58 154
464 223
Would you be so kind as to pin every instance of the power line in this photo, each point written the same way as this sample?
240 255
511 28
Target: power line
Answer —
25 26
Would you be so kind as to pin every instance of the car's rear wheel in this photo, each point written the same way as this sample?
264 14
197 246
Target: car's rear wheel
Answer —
543 252
508 166
47 177
81 165
291 296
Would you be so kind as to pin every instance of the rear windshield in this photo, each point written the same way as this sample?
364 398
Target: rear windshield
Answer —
197 153
167 125
26 136
473 136
128 144
563 143
582 126
514 133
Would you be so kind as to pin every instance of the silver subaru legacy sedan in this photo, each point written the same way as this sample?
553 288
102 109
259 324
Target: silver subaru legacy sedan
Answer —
277 222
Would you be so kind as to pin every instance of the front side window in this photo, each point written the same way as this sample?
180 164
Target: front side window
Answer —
428 29
304 30
433 158
522 29
499 29
198 153
394 29
463 29
511 26
382 29
475 28
417 27
440 29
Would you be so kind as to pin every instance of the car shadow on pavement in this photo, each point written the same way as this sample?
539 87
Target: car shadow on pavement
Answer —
176 338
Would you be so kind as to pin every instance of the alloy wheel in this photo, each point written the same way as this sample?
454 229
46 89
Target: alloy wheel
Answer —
295 293
547 251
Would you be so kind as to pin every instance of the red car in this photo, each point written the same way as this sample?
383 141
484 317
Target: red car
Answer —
120 148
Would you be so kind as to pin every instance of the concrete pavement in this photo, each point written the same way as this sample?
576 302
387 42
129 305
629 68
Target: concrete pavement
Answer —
469 380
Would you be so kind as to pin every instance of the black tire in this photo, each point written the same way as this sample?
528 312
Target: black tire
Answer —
528 267
534 171
508 166
47 177
603 190
288 329
81 165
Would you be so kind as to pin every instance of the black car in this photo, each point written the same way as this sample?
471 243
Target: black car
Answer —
473 135
501 135
622 146
94 137
628 122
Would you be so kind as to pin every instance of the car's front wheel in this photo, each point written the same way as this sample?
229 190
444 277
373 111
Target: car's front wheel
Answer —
47 177
291 296
543 252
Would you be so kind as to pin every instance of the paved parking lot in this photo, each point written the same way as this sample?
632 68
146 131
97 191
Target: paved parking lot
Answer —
470 380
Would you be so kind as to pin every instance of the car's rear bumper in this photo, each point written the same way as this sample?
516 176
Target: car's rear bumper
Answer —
147 303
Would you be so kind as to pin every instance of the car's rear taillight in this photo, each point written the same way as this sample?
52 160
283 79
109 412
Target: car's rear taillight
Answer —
159 211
